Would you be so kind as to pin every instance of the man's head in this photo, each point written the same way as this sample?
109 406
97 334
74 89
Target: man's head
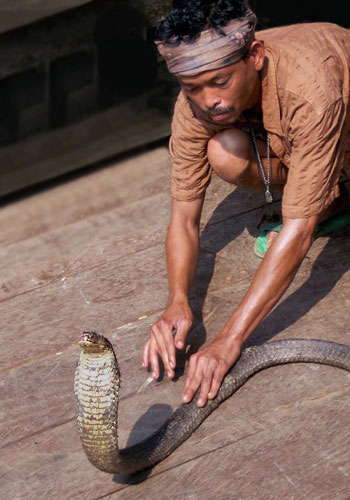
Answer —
210 47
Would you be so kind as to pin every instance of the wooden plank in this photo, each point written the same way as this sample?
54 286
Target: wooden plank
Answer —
290 428
114 185
263 424
118 291
43 454
108 238
59 238
303 457
60 254
30 406
50 154
19 383
315 305
97 240
100 300
69 279
288 318
50 318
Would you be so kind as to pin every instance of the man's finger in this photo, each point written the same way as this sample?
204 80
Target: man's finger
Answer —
153 358
166 347
162 338
216 382
205 387
145 357
168 340
193 379
181 333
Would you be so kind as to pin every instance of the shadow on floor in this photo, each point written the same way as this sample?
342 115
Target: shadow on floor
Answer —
327 270
217 235
143 428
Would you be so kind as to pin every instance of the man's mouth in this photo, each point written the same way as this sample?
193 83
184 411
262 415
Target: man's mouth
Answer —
220 116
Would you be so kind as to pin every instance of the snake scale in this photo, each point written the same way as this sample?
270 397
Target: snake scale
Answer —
96 391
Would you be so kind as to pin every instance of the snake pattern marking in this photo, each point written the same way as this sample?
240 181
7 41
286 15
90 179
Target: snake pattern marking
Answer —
96 390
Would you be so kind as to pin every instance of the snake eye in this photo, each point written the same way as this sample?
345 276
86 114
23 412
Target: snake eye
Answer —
92 337
89 337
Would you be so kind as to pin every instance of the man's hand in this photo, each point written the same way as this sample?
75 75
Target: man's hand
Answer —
182 246
178 317
207 369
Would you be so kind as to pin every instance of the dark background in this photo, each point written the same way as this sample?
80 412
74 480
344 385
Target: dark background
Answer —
66 78
274 13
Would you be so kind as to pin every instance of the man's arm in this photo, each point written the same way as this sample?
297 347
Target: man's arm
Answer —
182 248
276 272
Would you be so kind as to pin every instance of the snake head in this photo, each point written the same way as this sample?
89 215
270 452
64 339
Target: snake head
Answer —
94 342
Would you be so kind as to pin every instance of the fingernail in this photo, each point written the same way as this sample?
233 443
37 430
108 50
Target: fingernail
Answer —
185 398
170 374
153 375
179 344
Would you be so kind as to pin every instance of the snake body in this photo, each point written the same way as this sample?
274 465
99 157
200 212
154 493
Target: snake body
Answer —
96 391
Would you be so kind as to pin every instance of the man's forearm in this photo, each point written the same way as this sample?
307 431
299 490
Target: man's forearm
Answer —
182 247
208 367
273 277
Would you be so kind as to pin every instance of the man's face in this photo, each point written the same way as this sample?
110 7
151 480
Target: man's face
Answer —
223 94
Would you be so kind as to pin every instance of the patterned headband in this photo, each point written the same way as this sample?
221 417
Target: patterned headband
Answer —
212 50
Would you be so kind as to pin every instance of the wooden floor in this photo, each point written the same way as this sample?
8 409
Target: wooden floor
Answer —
88 253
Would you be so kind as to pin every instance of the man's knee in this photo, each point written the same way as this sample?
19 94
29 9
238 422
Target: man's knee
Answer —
229 154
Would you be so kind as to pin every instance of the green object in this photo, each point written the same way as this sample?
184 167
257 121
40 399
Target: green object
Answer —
328 226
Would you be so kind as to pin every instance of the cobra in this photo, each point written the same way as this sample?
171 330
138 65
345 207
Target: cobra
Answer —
96 391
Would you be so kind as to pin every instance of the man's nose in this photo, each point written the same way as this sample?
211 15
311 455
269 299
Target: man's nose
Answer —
211 99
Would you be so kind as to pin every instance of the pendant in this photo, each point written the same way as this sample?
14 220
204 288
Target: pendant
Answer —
268 196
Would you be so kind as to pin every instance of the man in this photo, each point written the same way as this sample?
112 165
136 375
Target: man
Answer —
265 110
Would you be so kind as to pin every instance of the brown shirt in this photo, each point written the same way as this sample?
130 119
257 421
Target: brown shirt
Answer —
305 104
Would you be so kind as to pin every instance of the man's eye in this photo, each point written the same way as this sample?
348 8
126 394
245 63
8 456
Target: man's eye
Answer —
190 90
221 84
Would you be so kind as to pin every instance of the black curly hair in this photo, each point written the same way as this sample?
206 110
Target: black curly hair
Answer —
188 18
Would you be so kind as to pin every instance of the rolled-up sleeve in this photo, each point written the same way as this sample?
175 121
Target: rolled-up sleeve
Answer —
317 150
191 172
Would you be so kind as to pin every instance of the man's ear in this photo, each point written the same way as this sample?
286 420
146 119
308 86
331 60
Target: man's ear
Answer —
257 51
